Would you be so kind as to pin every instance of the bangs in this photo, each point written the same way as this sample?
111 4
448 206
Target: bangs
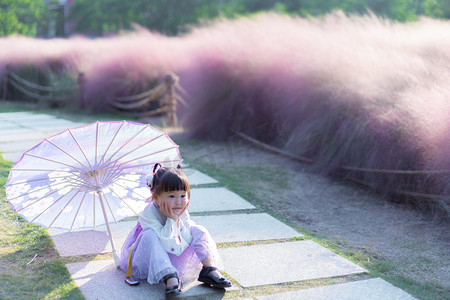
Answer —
174 182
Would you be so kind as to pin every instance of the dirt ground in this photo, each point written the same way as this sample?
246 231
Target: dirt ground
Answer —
412 243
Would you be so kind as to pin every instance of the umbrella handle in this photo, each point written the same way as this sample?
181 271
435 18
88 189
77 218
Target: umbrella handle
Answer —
116 257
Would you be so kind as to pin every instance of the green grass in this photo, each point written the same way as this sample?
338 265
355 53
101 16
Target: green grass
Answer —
30 266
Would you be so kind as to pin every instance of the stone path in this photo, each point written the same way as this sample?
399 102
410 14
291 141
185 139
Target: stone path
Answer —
259 251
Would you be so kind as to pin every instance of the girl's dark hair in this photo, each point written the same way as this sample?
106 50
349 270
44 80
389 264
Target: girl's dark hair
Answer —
168 179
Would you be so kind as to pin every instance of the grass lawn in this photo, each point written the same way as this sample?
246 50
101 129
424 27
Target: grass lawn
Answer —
30 266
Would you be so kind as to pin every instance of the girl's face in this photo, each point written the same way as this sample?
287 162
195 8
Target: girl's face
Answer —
177 200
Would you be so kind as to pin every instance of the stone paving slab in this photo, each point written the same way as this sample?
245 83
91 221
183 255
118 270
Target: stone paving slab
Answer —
48 132
24 130
284 262
32 120
216 199
370 289
23 114
8 125
90 241
19 146
102 280
245 227
196 177
57 123
223 228
25 135
35 121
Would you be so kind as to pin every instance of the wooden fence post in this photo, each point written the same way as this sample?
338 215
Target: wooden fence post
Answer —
5 81
81 87
170 80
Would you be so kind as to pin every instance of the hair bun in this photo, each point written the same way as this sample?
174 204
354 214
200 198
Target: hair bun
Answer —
156 168
150 180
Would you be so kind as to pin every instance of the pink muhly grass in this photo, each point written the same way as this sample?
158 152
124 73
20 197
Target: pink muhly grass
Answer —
354 91
342 90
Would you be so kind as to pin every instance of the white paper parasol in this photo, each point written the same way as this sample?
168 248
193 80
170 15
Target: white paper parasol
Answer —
89 176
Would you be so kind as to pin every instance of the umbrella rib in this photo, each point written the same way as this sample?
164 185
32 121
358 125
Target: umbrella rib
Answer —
58 162
77 179
166 161
110 210
63 209
137 181
84 154
31 170
127 188
44 187
123 200
96 145
78 210
129 140
137 148
68 154
50 206
112 174
101 163
93 212
105 176
118 170
111 142
34 180
40 170
22 208
174 147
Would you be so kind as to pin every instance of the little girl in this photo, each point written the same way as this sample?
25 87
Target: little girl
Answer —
166 245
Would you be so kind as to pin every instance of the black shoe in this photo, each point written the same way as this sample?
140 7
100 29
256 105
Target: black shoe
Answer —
175 289
214 281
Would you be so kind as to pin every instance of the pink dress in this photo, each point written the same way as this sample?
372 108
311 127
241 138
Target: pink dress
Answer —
160 247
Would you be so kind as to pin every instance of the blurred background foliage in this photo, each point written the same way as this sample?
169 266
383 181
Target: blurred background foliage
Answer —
172 17
23 17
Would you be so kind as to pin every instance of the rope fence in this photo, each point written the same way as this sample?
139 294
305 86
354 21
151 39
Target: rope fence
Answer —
40 87
166 95
383 171
37 91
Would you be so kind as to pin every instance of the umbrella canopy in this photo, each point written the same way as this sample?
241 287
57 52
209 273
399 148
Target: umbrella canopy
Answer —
87 176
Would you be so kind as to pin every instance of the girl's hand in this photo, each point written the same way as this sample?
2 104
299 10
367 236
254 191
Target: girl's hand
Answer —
184 209
166 209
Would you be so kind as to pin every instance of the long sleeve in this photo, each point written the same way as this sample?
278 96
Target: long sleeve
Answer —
175 239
